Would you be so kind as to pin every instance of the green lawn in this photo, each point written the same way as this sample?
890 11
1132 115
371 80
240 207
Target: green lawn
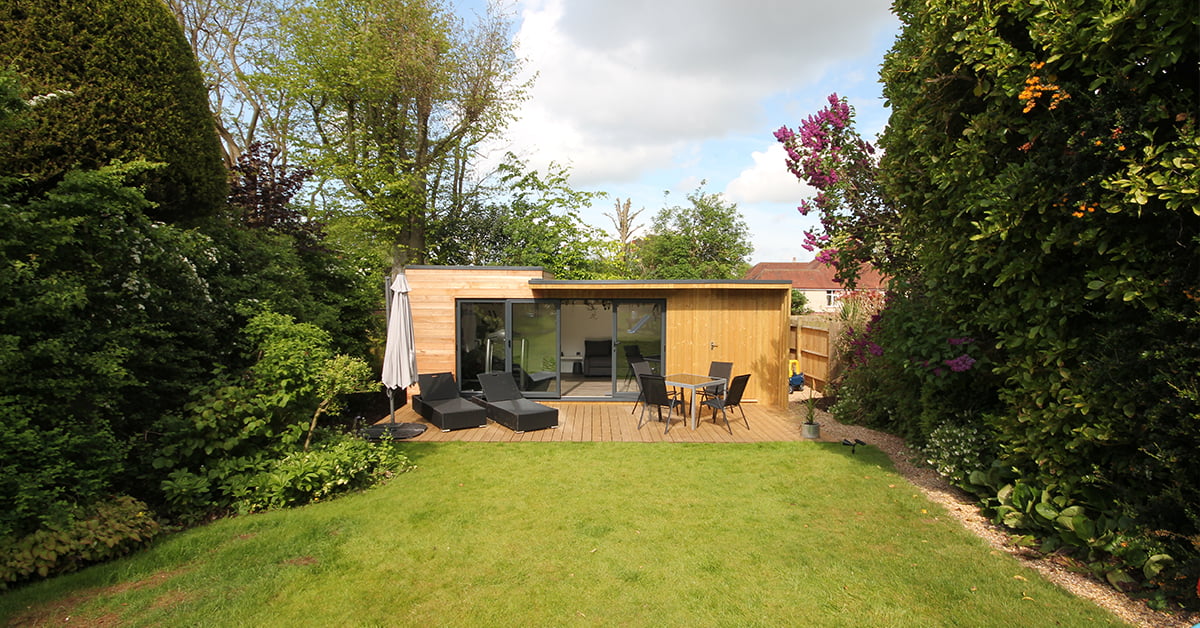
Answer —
587 534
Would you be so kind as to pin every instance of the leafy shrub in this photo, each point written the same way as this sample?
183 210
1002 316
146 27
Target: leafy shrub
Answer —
958 450
104 320
1045 167
113 528
908 372
338 465
237 429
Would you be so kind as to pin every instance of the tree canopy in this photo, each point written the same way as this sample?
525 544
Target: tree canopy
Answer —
707 240
393 96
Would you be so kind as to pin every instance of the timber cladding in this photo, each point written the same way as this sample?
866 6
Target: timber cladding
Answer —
743 322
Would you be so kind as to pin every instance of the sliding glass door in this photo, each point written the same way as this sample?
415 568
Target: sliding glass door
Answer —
518 337
534 347
638 329
482 341
575 348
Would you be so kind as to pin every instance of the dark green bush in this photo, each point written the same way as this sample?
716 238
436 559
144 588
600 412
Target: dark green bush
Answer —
1044 166
338 464
236 444
104 323
130 89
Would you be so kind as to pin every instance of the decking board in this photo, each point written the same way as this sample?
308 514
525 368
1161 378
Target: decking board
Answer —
580 421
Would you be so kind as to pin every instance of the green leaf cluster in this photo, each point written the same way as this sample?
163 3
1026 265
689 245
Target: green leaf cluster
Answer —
534 222
706 240
241 425
114 527
104 323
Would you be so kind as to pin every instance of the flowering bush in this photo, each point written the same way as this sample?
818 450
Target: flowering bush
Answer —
958 449
906 370
858 225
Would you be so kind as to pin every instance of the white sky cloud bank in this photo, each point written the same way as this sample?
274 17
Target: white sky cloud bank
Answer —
623 86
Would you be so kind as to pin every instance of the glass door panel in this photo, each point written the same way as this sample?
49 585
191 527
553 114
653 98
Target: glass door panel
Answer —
534 348
482 345
639 335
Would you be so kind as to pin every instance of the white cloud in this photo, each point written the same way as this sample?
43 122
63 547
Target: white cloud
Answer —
640 97
768 181
626 86
777 232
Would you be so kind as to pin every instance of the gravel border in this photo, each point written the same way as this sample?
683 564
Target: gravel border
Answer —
961 506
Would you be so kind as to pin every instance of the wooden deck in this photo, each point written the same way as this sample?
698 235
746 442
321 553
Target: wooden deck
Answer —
614 421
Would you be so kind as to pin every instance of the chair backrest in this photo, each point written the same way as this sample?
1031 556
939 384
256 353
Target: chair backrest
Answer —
437 386
594 348
654 390
738 386
640 368
632 351
499 387
723 370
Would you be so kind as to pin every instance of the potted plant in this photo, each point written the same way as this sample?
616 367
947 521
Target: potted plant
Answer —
811 428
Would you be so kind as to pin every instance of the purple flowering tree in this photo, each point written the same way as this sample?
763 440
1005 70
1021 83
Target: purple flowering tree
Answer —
857 223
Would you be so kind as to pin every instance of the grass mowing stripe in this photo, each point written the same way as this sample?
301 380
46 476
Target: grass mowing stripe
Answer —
634 534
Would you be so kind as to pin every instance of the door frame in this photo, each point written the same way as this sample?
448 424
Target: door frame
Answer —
617 374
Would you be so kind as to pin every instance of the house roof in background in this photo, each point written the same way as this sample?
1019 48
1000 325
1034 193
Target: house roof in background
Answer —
813 275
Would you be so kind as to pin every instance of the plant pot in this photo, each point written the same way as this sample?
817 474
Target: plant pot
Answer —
812 430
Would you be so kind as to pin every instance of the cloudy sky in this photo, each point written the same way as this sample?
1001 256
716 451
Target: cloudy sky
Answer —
642 97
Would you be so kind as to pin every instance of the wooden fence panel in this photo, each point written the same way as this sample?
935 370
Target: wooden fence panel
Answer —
811 347
814 356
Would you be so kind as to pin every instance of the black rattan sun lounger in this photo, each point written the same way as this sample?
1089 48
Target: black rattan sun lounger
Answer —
441 404
508 407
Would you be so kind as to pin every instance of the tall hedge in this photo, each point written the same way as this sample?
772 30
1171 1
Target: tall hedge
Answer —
128 88
1045 159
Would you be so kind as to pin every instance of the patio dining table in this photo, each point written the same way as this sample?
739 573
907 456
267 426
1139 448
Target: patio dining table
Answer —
693 382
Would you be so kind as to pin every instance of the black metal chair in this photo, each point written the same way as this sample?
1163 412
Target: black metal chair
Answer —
640 368
717 369
654 393
732 399
633 355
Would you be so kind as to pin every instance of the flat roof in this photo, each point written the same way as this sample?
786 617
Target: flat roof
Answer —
660 284
620 284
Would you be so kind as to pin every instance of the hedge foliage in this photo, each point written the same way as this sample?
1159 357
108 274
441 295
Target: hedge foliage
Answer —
128 88
1043 163
116 312
105 322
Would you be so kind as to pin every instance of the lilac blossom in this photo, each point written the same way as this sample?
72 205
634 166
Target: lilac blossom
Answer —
962 363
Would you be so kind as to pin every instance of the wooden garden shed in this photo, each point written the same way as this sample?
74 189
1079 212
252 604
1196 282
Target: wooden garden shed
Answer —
572 339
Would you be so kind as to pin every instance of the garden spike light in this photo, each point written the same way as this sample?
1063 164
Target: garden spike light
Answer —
852 444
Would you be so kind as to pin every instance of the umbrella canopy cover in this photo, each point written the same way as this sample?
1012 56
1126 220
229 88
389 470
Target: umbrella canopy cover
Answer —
400 354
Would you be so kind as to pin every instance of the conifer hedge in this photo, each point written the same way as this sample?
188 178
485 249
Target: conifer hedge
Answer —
128 88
